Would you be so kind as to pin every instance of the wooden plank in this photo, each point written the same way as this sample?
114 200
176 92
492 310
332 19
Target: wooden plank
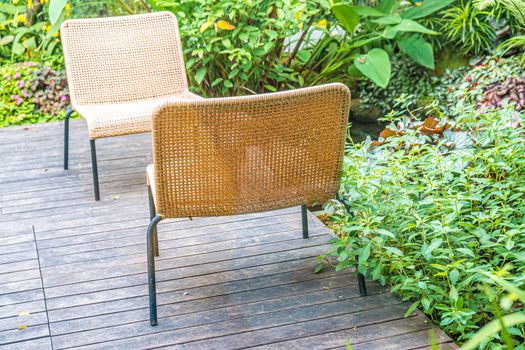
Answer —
202 313
16 335
353 334
134 244
403 341
214 283
33 344
13 310
259 329
21 286
248 268
24 319
180 257
181 301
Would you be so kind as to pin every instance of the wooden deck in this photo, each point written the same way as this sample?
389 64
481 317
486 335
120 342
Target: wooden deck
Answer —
73 271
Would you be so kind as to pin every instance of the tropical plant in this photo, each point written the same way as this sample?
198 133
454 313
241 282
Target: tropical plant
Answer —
467 28
371 30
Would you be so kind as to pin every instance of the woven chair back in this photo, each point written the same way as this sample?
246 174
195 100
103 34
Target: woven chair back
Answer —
237 155
123 59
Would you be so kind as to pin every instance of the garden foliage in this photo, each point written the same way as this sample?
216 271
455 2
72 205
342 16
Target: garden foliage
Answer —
434 203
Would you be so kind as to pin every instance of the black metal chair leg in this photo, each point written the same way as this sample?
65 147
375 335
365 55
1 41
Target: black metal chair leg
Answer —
152 214
66 138
362 284
304 215
94 168
151 271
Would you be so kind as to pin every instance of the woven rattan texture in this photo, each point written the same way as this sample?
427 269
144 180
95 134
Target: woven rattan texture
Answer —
123 59
236 155
115 119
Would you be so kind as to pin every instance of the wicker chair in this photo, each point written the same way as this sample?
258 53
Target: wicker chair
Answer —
118 70
240 155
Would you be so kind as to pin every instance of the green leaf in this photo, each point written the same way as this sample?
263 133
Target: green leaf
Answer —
436 242
364 254
453 293
375 65
304 55
346 16
393 19
418 49
408 25
412 308
387 6
366 11
55 9
428 7
454 276
199 76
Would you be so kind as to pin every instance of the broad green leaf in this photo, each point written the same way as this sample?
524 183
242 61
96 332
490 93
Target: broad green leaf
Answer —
199 76
408 25
387 6
392 19
428 7
375 65
366 11
418 49
346 17
55 9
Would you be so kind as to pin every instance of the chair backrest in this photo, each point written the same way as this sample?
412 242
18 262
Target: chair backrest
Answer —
247 154
122 59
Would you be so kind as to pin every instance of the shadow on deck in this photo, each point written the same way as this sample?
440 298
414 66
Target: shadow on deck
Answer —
73 271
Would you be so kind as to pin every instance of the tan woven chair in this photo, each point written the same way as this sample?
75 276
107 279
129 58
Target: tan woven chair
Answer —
118 70
248 154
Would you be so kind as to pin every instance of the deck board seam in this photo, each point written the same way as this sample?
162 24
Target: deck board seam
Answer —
43 288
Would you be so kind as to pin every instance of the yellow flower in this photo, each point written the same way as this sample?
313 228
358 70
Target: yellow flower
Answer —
68 6
46 28
225 25
21 18
56 34
322 23
298 14
29 4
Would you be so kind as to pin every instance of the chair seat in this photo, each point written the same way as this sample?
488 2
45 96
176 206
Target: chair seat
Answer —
105 120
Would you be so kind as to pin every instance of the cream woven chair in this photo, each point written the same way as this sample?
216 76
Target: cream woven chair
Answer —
230 156
118 70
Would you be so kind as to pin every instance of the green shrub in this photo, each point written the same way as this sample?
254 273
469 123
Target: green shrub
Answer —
244 47
427 212
31 93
